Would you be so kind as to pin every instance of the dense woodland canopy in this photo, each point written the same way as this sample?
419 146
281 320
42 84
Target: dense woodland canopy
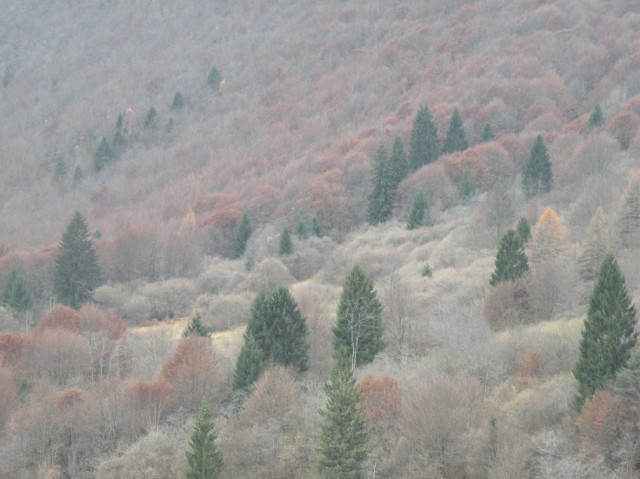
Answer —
217 151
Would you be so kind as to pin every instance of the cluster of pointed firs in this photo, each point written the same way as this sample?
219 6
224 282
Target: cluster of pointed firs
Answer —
609 333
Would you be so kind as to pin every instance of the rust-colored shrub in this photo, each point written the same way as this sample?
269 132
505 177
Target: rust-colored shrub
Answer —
506 305
382 399
61 317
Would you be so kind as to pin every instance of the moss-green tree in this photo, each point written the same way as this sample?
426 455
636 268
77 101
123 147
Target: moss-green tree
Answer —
343 434
398 162
609 333
487 134
249 365
419 214
537 177
279 329
315 227
16 293
286 243
466 186
424 145
214 78
104 155
204 460
383 191
178 101
301 230
524 230
596 119
197 327
511 260
358 330
244 233
151 118
76 274
456 139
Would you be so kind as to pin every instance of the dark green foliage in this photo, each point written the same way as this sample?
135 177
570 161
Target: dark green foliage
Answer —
426 271
59 167
511 260
537 177
487 134
279 329
214 78
424 143
286 243
359 325
384 187
178 101
76 273
120 135
419 214
301 230
466 187
524 230
398 162
204 461
249 365
596 119
244 233
197 327
104 155
456 139
315 227
7 77
343 435
151 119
16 293
627 381
609 332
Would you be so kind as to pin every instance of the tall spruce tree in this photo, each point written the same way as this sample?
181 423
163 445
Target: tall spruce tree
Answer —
16 293
249 365
316 228
456 139
511 260
301 230
214 78
596 119
384 189
204 460
244 233
487 134
197 327
76 274
343 435
286 243
104 155
424 145
609 332
419 214
358 329
279 329
398 162
524 230
537 177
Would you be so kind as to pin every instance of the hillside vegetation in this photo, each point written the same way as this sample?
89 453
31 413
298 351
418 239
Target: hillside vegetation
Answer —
165 124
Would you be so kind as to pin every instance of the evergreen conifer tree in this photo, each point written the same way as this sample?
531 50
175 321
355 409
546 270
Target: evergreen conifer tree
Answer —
343 435
359 319
537 176
244 233
424 144
16 293
398 162
596 119
178 101
59 167
511 260
249 365
456 139
204 460
466 186
214 78
487 134
119 137
104 154
301 230
315 227
76 273
419 214
197 327
524 230
609 332
279 329
383 193
151 118
286 243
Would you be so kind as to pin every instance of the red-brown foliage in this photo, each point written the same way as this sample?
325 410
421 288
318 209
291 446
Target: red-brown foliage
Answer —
94 320
529 364
61 317
507 304
61 356
13 348
8 395
600 422
152 399
624 127
382 398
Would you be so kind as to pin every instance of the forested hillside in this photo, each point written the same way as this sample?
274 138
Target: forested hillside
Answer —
402 206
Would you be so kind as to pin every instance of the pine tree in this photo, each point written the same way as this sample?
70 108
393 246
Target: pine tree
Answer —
301 230
249 365
596 119
359 325
197 327
244 233
279 329
419 214
456 139
16 293
119 137
178 101
286 243
537 176
398 162
76 273
524 230
214 78
383 193
315 227
609 332
104 154
487 134
343 435
204 461
424 143
151 118
511 260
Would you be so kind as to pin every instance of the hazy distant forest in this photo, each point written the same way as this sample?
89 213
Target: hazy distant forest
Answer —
231 163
